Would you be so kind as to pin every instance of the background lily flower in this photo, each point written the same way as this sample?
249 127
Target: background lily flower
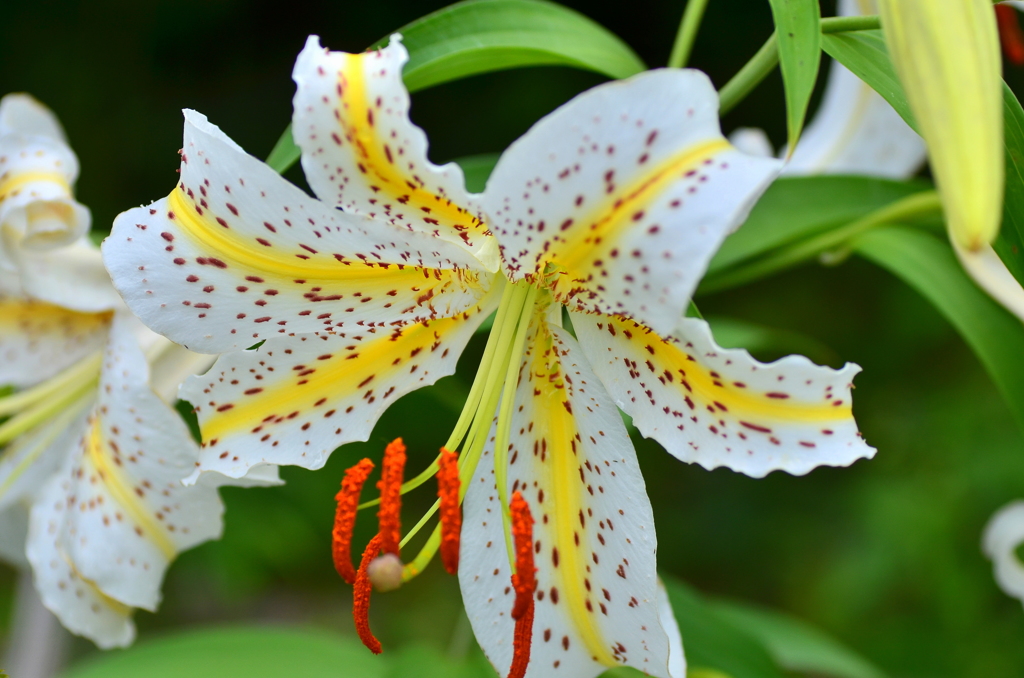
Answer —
855 130
1004 535
37 171
610 207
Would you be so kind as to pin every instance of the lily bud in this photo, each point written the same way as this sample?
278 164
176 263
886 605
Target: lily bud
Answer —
946 53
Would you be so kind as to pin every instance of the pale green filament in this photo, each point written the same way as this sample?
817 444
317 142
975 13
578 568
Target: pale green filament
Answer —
86 368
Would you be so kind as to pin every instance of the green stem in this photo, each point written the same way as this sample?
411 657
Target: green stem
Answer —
683 45
750 76
767 58
916 205
842 24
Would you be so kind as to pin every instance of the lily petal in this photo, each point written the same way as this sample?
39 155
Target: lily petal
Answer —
1003 535
72 277
362 152
990 273
236 255
39 340
855 131
22 114
619 198
81 607
720 407
132 514
597 601
296 399
676 656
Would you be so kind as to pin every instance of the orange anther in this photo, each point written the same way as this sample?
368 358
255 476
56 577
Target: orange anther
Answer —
524 580
361 597
451 514
1010 34
345 518
390 486
521 643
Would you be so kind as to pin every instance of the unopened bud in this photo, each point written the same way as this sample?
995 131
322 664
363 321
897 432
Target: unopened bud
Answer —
385 572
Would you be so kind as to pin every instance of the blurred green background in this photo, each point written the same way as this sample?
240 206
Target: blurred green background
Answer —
884 555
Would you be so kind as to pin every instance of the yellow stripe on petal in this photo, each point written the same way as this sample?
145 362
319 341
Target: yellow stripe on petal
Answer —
16 181
34 317
251 255
118 485
557 432
597 234
381 161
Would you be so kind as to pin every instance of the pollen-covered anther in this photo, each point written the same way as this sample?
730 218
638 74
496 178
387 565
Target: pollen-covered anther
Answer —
345 518
451 513
390 486
524 581
361 590
385 572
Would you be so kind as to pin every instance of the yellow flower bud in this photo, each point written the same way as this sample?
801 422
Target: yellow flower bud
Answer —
946 53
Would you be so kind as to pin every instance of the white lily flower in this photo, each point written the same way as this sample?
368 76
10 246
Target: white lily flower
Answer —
37 171
611 207
855 130
1003 537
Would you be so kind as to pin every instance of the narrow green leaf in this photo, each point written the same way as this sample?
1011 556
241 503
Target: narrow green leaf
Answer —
237 652
712 642
928 264
480 36
865 54
796 208
799 34
285 153
796 645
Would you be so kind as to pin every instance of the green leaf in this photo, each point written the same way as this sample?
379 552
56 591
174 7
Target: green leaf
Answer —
713 642
865 54
796 208
237 652
477 168
797 28
929 265
768 343
482 36
796 645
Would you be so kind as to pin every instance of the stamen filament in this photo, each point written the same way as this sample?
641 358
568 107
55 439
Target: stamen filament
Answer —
28 419
361 589
504 428
390 487
84 369
451 515
345 518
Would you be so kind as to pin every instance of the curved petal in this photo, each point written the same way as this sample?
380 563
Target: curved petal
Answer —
990 273
37 210
72 277
1003 535
236 254
597 594
676 656
720 407
361 151
132 514
752 141
296 399
81 607
22 114
38 340
619 198
855 130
